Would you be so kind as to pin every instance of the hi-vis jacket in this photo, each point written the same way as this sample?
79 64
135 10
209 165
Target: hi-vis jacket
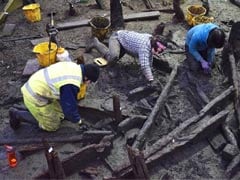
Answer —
44 85
42 92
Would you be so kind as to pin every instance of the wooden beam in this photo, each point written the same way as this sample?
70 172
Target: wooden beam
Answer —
179 137
127 17
117 109
84 157
139 167
159 104
161 143
94 136
235 79
131 122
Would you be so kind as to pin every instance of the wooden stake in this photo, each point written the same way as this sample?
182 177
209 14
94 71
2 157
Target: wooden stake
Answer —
117 109
159 104
139 167
235 79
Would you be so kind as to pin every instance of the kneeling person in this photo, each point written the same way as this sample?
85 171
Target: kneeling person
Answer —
50 95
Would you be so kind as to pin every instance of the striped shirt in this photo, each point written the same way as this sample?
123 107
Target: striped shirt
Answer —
138 45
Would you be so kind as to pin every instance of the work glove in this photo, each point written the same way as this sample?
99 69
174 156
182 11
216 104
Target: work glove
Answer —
152 84
80 122
205 66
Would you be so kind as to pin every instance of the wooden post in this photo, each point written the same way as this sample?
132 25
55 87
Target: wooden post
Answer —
179 15
235 79
117 21
117 109
55 167
139 167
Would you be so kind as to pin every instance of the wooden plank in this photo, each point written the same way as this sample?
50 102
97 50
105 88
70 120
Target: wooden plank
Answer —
31 67
165 140
84 157
157 107
40 40
127 17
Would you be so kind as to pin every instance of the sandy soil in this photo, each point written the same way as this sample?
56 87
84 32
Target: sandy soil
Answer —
197 161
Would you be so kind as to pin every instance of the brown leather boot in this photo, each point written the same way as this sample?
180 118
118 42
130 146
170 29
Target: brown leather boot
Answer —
14 120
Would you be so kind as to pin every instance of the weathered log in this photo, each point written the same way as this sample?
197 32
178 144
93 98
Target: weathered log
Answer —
170 11
127 17
167 139
185 137
117 109
233 166
227 131
31 148
139 167
179 15
141 92
218 100
160 102
131 122
87 136
117 21
235 79
163 141
176 139
59 171
84 157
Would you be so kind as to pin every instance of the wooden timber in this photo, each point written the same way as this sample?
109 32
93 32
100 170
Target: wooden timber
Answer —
159 104
127 17
161 143
84 157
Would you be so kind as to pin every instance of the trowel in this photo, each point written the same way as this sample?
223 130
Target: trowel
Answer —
100 61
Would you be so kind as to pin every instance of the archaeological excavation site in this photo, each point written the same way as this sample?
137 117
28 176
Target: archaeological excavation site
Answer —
120 89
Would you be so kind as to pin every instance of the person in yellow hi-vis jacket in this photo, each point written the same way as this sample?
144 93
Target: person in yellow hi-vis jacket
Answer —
51 95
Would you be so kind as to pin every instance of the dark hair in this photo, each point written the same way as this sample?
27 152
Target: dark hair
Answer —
216 38
157 38
92 72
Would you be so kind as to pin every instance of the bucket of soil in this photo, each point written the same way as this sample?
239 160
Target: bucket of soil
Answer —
194 10
46 53
100 27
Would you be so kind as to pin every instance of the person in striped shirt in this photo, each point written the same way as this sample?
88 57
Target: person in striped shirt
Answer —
141 45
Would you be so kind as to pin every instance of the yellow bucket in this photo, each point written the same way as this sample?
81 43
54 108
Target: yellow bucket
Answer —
201 19
100 27
82 91
194 10
44 55
32 12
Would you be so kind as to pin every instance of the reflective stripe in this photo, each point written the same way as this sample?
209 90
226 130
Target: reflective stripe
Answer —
58 79
34 95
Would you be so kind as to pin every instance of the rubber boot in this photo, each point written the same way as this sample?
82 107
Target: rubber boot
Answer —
18 116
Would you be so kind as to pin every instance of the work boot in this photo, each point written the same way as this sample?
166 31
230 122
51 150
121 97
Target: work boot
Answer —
14 120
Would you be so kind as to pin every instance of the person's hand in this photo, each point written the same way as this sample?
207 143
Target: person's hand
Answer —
205 66
80 122
152 84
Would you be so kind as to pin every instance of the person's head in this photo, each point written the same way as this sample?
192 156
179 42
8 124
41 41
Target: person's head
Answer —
216 38
157 44
91 72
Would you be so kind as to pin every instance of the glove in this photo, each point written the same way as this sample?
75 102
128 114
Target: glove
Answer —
152 84
80 122
205 66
